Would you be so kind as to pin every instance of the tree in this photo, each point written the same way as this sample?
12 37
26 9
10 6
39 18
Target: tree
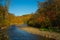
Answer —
51 14
3 19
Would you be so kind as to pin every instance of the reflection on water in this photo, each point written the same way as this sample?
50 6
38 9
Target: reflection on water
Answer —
16 34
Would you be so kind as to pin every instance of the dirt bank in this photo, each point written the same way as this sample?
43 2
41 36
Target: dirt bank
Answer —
42 33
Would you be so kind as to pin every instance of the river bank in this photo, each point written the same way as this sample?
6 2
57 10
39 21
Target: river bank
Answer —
42 33
25 33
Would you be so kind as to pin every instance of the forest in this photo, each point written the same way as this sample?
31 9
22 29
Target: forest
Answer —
46 18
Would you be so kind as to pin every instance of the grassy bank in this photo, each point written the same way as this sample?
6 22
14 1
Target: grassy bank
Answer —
51 29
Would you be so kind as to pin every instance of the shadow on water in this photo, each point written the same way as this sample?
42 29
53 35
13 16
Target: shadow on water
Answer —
16 34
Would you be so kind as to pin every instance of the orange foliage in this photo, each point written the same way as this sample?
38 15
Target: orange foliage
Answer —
41 18
51 15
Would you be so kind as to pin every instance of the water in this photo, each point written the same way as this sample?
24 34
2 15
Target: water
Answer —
23 25
16 34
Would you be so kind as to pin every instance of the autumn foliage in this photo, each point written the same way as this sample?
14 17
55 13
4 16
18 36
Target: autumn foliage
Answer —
47 15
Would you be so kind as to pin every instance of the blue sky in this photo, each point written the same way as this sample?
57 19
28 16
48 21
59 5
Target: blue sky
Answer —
22 7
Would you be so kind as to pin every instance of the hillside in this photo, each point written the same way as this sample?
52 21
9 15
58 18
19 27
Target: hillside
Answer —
19 19
7 19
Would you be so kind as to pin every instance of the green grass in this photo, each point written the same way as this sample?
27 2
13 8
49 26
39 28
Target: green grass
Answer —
50 29
43 29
